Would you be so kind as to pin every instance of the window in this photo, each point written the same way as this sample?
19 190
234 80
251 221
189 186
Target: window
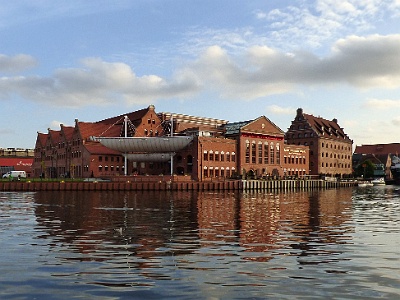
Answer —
260 153
233 157
247 152
278 154
272 153
222 156
253 152
205 155
266 151
216 156
228 156
211 156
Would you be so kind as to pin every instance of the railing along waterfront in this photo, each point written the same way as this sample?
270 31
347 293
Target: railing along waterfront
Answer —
246 185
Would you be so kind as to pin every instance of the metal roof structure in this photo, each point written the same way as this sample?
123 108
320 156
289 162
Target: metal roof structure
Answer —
161 144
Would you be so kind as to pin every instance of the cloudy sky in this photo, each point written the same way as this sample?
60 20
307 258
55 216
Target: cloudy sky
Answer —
231 60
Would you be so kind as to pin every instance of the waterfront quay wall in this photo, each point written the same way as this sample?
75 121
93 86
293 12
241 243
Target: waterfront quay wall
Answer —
244 185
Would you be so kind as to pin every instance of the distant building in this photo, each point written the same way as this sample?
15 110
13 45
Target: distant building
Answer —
330 148
16 159
217 150
380 155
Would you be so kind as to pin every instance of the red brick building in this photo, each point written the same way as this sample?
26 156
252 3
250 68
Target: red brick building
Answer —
16 159
217 150
330 148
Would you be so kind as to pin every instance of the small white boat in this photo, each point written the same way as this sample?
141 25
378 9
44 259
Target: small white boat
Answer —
378 181
364 183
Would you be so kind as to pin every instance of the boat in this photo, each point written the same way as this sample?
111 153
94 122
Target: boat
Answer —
364 183
378 181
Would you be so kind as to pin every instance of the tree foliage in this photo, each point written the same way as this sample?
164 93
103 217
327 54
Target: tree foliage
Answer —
365 169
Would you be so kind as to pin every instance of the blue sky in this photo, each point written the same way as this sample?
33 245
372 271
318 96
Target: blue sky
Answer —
232 60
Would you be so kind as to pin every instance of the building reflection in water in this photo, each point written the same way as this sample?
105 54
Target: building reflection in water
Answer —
145 226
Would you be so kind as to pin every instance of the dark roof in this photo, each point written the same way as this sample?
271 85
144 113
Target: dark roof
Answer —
234 128
325 127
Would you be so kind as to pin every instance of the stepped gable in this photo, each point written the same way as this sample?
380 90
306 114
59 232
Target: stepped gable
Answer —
384 149
325 127
54 136
67 131
41 139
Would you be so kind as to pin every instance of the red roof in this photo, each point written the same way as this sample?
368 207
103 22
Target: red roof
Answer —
393 148
322 126
97 148
19 163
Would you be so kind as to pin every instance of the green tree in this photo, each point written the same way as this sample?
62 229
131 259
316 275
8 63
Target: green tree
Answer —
365 169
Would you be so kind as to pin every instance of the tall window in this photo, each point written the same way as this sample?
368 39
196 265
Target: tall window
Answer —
211 156
260 153
266 151
247 152
278 154
253 152
272 153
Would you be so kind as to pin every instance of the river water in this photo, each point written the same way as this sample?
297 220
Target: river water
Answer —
337 244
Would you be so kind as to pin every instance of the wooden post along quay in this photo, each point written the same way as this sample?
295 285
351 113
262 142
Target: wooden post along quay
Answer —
173 185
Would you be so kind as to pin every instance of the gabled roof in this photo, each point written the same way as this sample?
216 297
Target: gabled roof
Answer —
68 131
135 117
97 148
88 129
393 148
235 128
325 127
54 136
41 139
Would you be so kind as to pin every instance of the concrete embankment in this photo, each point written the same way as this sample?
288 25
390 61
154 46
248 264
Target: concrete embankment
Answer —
246 185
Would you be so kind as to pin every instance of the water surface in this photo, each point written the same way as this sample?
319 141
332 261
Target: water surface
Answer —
338 243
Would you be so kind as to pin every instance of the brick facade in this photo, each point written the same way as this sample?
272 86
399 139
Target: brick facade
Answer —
219 149
330 148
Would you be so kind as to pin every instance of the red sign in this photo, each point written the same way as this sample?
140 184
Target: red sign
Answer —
262 136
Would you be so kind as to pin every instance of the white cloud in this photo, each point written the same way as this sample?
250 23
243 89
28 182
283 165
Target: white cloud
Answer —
278 110
362 62
16 63
396 122
382 104
97 82
313 23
